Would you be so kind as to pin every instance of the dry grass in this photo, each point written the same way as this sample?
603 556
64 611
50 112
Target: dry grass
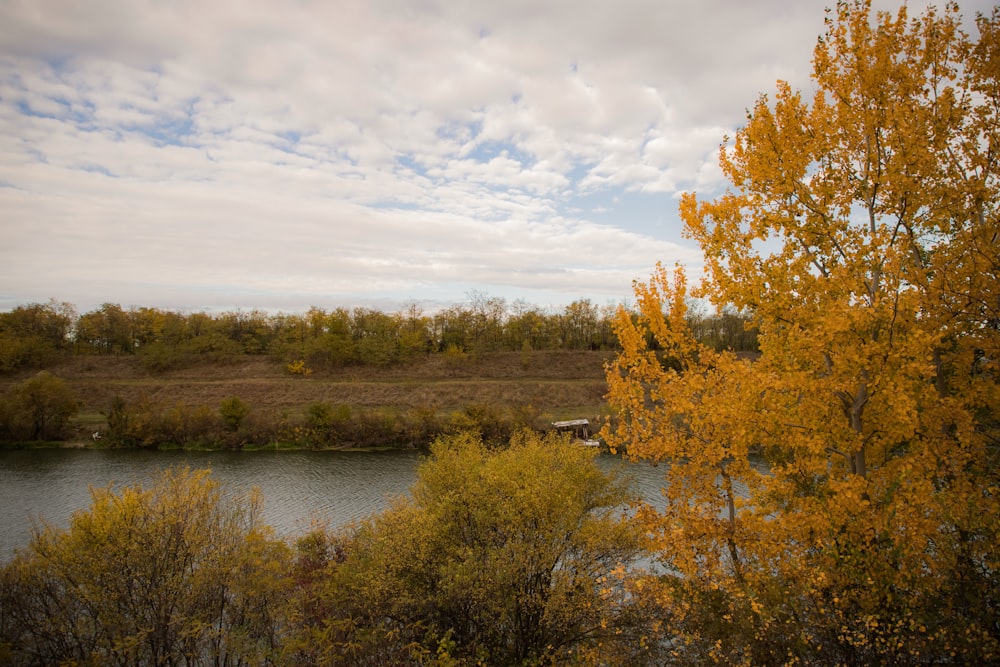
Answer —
560 384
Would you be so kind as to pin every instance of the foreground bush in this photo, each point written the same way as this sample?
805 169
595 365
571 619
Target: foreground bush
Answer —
170 574
514 556
519 555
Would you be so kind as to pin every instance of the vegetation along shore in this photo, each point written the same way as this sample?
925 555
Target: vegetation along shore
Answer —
141 377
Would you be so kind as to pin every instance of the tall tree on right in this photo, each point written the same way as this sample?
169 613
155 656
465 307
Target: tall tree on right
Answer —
836 500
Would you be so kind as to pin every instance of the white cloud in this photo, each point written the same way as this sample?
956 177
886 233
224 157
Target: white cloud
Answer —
277 154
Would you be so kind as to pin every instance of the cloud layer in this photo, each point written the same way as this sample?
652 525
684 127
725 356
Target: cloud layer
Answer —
286 154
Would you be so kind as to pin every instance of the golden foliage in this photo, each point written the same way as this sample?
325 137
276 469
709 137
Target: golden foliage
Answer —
836 500
298 367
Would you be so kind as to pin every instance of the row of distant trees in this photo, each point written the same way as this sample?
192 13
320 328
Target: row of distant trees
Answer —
33 335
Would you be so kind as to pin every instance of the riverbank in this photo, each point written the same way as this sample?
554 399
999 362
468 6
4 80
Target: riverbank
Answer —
342 408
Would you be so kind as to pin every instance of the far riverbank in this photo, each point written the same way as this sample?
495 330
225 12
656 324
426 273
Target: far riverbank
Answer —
353 407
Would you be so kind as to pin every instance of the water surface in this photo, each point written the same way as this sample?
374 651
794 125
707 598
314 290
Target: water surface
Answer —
298 487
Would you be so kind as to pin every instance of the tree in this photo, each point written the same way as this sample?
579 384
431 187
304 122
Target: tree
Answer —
530 328
580 325
233 411
376 337
35 334
508 557
170 574
862 234
145 326
38 408
453 328
486 317
248 328
106 331
414 333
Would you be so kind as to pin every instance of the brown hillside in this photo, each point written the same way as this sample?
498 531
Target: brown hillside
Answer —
560 384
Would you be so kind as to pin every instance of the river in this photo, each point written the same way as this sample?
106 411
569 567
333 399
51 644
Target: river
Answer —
298 486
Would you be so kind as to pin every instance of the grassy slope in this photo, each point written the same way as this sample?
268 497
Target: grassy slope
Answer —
559 385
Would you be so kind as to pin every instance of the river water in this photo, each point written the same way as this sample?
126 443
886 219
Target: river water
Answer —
298 486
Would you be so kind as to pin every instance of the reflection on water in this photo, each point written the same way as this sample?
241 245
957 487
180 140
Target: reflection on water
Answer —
298 486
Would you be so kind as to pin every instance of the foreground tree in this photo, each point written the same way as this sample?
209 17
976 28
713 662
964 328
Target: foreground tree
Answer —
167 575
510 557
862 232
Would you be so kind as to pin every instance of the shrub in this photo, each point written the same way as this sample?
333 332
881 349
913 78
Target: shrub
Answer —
298 367
171 574
512 556
319 415
233 411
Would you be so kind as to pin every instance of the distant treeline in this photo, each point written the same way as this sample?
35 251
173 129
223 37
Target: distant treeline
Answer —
34 335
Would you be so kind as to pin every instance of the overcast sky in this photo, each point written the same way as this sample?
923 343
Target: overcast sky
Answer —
250 154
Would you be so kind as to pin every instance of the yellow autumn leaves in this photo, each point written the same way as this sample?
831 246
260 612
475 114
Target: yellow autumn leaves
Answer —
862 234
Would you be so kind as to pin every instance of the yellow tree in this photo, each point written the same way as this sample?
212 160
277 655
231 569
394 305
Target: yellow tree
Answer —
836 499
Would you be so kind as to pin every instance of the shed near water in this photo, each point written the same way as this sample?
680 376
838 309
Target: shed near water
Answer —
579 429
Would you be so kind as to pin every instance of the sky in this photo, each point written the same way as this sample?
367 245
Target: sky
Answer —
249 154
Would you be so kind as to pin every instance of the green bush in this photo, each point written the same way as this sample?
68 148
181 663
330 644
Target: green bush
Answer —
215 348
320 415
233 411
